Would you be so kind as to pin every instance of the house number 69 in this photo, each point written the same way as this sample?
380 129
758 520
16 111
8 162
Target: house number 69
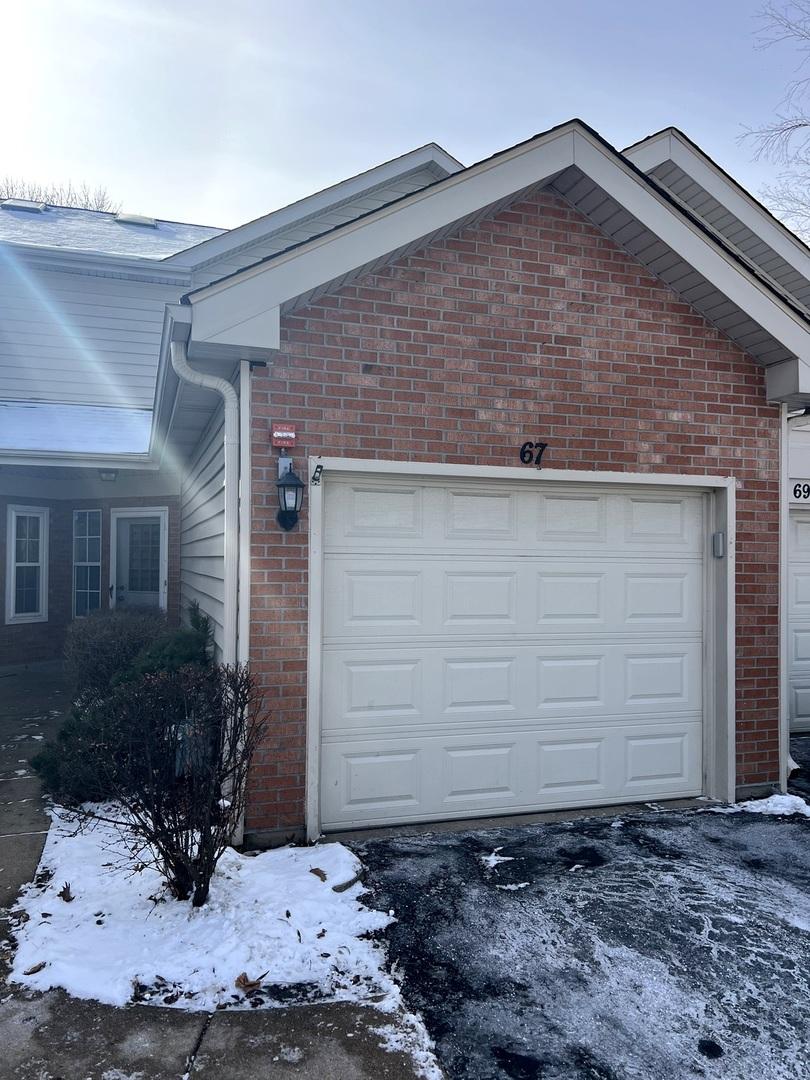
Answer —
531 453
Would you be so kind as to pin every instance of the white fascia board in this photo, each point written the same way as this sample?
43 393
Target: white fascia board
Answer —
264 288
221 322
142 462
670 146
317 203
788 382
97 263
651 152
269 284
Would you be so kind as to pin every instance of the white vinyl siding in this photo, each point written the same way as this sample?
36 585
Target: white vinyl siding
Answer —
202 528
86 561
79 338
314 225
496 648
27 564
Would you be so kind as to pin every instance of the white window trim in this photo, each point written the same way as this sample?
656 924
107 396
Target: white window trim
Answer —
88 510
43 513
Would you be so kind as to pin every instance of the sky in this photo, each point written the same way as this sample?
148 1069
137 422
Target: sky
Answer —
218 111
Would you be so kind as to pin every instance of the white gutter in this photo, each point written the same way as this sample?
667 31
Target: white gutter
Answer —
179 358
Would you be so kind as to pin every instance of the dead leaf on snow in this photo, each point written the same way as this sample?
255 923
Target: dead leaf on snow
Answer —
33 970
321 933
316 870
65 893
244 982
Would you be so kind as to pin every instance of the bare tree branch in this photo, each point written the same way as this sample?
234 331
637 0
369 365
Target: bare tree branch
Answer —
786 139
81 196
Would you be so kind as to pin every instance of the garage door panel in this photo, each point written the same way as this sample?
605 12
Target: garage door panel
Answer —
799 619
449 684
573 518
362 512
799 534
800 647
800 591
468 774
800 701
471 514
389 596
507 648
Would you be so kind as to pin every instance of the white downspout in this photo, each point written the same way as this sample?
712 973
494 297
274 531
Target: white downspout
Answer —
784 526
245 508
179 358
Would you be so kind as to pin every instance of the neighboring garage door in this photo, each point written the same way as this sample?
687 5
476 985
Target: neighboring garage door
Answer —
799 619
500 648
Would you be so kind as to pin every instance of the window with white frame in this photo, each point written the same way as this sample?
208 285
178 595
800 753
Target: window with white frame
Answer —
27 564
86 561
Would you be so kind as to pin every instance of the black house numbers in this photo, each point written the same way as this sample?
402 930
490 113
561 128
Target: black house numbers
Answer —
531 453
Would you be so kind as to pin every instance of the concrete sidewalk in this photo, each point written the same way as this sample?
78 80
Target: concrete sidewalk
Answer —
52 1036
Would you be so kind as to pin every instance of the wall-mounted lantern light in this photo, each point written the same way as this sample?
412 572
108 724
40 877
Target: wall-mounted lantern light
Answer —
290 494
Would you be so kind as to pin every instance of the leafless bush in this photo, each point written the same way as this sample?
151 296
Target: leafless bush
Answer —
174 750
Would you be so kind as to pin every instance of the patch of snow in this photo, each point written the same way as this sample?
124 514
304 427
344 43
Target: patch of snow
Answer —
410 1037
778 805
617 823
792 765
512 888
265 914
492 860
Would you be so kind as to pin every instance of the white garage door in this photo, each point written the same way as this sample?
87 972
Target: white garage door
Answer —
799 619
495 649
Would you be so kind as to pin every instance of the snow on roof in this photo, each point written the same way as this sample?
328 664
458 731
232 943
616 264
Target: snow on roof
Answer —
93 230
76 429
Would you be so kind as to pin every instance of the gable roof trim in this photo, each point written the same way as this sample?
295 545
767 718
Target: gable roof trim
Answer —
332 255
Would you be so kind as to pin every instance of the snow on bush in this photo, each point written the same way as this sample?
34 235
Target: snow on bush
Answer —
272 920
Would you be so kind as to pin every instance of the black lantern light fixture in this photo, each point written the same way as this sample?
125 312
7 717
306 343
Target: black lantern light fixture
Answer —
290 494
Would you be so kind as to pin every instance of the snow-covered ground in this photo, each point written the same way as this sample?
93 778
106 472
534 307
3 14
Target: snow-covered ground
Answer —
274 930
775 805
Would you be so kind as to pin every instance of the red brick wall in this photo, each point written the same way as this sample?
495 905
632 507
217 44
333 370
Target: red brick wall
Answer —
532 323
28 642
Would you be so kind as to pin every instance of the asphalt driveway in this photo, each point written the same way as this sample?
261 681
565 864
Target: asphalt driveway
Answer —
665 945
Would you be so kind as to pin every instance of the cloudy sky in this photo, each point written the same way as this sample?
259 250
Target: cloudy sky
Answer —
217 111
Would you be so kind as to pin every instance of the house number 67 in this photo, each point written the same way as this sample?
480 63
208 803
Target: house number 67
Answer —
531 453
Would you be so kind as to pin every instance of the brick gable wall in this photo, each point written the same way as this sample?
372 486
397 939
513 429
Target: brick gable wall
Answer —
532 324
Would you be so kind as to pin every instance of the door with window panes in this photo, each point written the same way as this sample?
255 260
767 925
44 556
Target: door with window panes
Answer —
138 562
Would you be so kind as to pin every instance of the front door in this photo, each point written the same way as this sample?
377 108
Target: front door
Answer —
138 562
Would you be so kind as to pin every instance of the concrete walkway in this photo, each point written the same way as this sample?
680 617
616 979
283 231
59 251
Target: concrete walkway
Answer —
52 1036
